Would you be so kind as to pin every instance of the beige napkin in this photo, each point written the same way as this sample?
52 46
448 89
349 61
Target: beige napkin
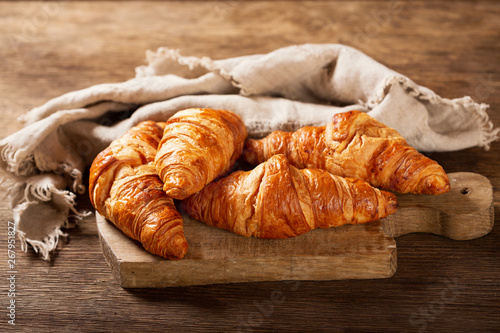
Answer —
41 166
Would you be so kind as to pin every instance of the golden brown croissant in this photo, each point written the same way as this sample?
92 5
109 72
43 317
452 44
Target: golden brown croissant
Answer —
198 145
124 187
356 145
276 200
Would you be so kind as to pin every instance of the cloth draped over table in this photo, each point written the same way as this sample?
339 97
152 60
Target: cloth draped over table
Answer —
42 165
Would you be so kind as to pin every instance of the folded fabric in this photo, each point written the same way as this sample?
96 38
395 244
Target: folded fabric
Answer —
41 165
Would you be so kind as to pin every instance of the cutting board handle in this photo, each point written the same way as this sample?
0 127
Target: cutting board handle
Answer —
465 212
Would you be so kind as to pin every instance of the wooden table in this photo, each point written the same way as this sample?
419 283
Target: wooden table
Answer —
452 47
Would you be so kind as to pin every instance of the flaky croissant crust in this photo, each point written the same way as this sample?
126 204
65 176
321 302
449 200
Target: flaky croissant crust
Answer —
276 200
356 145
125 188
197 146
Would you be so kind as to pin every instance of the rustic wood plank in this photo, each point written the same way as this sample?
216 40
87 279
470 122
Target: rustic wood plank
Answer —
465 212
449 46
218 256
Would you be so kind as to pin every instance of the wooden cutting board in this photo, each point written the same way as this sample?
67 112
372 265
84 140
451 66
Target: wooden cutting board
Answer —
364 251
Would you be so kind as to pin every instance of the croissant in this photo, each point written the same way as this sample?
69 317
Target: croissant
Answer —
276 200
198 145
125 188
356 145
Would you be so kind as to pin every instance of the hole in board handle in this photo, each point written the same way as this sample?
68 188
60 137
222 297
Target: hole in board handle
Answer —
465 190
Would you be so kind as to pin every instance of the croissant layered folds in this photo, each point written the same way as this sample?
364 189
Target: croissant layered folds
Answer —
198 145
276 200
355 145
316 177
124 188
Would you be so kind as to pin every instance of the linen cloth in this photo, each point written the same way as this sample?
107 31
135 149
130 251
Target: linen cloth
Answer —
42 165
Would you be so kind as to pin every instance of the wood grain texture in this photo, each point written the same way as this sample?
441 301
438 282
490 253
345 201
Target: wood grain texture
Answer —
465 212
218 256
440 285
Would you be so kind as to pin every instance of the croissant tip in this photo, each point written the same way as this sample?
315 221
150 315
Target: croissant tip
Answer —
177 248
435 185
179 187
178 194
392 203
